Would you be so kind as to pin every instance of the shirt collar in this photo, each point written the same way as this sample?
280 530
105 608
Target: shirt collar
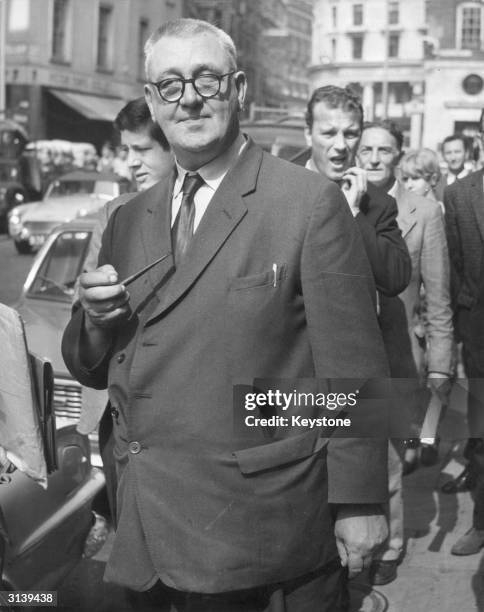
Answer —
393 187
214 172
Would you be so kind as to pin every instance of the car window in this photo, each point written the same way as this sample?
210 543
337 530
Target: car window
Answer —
61 265
107 189
62 188
8 172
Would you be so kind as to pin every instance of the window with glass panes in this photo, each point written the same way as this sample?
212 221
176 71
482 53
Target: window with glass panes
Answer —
59 30
471 27
104 39
393 45
357 14
143 34
357 47
393 12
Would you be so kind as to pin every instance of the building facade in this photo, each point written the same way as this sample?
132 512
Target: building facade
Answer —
72 64
417 62
273 38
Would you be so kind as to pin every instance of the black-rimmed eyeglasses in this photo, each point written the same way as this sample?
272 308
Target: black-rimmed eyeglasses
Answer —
206 86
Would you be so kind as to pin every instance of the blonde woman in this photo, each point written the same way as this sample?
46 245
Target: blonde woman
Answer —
420 173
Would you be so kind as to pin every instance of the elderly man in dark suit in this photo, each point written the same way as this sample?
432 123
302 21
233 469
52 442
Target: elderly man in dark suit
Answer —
464 213
265 277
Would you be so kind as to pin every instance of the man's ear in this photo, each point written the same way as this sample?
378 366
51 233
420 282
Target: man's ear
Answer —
149 101
308 137
241 86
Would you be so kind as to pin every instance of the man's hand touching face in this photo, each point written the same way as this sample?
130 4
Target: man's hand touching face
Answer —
354 186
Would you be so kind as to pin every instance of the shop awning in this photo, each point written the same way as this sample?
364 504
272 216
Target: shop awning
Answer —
98 108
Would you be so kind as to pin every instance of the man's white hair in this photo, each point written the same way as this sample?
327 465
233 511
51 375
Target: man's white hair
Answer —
185 28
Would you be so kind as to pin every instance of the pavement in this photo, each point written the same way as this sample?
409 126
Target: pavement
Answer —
430 579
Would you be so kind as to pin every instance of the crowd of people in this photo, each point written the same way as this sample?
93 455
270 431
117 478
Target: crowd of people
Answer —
368 264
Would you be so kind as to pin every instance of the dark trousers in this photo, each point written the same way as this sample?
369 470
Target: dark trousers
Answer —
321 591
474 452
106 448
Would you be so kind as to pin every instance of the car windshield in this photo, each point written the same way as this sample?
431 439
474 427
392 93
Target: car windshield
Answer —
61 266
103 189
8 172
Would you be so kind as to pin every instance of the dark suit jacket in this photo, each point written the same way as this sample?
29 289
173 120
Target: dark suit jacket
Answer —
386 249
464 215
206 504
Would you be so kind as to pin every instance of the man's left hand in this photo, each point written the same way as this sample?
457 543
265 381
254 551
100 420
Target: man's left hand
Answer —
354 187
359 531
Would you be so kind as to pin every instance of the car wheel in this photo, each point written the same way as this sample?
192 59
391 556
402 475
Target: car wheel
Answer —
23 247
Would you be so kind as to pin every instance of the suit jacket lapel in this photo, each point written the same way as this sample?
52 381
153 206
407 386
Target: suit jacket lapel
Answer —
224 213
156 231
477 200
406 210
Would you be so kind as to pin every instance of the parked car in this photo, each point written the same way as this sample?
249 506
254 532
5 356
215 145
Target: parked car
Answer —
43 531
74 194
19 183
45 306
282 137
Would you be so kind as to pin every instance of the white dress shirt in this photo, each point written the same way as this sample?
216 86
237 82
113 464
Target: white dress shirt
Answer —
213 174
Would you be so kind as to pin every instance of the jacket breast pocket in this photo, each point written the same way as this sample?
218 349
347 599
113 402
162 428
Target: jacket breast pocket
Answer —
264 279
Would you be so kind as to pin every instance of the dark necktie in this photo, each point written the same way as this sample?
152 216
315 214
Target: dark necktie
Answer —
183 227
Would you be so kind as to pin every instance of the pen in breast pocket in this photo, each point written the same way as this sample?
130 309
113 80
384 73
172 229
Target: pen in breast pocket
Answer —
274 271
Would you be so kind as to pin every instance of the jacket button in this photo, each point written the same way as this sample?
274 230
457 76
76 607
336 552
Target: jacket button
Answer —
134 447
121 357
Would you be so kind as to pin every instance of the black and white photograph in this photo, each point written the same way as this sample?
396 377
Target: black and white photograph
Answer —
242 305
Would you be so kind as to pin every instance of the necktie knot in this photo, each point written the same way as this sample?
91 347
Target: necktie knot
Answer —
191 184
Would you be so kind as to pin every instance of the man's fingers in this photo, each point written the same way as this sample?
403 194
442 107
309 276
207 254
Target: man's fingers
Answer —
355 564
342 552
108 319
105 275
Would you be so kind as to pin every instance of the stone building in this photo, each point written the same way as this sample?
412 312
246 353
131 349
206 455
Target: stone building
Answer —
72 64
418 62
273 38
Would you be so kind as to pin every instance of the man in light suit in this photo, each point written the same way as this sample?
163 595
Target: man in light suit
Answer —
464 206
265 278
422 225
